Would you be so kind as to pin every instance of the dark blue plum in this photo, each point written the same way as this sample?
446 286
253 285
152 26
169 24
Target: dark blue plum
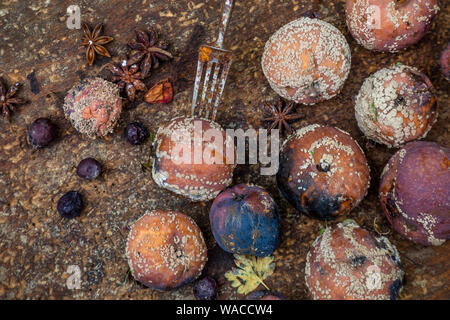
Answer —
244 220
70 205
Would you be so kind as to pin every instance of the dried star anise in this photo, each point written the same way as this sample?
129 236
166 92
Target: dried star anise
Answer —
148 51
279 114
128 78
7 102
95 42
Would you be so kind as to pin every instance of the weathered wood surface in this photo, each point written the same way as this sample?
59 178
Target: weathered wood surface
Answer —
37 246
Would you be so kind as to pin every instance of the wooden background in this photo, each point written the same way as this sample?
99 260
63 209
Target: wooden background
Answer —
36 47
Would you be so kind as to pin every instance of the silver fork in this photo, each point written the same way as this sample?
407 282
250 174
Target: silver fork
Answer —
212 69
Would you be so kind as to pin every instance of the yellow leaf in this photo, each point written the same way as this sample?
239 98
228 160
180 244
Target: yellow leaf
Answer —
250 272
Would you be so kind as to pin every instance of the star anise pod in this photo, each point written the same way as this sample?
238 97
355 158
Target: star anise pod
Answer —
148 51
128 78
94 42
7 102
279 114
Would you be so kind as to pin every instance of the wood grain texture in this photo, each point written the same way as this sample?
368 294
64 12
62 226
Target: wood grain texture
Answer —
37 246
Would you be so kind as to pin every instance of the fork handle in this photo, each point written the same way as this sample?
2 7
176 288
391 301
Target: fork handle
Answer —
228 6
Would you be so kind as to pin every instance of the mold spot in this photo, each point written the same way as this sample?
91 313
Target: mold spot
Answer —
322 206
394 289
399 101
358 261
239 197
391 207
323 166
396 259
321 270
381 244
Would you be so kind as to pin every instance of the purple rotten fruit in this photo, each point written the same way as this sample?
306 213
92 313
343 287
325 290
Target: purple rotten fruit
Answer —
89 169
415 192
41 132
206 289
136 133
70 205
389 25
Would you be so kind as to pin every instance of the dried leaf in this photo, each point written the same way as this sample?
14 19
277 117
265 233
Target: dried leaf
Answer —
376 227
250 272
127 276
162 92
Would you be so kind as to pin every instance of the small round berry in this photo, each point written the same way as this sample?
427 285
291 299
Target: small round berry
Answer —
70 205
89 168
136 133
206 289
41 132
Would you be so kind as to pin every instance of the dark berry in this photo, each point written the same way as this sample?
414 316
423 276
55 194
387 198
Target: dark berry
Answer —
206 289
310 14
41 132
89 168
70 205
136 133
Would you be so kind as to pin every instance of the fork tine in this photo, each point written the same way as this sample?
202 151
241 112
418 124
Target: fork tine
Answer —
212 89
223 80
198 79
205 87
216 57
